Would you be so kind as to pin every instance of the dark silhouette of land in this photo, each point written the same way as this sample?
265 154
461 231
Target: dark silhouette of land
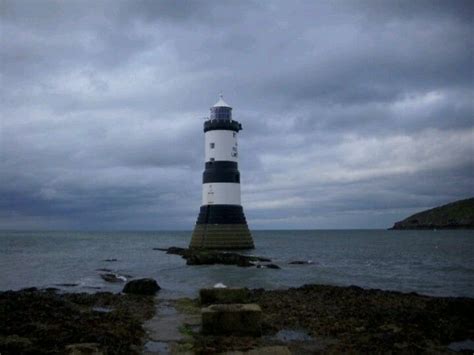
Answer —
454 215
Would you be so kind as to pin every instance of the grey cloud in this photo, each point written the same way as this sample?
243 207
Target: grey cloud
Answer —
354 114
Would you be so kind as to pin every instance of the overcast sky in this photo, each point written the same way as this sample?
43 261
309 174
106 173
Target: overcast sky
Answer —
355 114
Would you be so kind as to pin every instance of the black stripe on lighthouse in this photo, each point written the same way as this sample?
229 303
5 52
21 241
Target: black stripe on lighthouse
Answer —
221 171
221 214
228 125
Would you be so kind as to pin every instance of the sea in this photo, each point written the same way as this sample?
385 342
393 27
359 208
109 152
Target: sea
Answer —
437 263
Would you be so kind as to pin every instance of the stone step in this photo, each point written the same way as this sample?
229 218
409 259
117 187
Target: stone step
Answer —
232 319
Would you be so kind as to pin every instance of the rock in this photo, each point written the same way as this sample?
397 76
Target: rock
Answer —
259 258
43 322
83 349
263 350
113 278
223 295
142 287
301 262
51 289
67 285
110 260
177 251
29 289
232 319
173 250
207 257
390 328
210 258
272 266
14 344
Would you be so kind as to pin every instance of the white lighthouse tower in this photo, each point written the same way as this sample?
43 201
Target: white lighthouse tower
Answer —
221 223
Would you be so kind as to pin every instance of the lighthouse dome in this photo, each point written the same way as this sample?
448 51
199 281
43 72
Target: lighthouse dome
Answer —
221 102
221 110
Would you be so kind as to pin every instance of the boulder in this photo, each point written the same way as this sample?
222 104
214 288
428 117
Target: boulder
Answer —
223 295
272 266
300 262
142 287
177 251
210 258
14 344
173 250
232 319
263 350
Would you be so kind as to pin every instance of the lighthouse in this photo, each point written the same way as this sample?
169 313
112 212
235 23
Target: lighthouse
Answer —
221 222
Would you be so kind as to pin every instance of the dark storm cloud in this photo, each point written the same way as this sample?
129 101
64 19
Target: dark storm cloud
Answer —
355 114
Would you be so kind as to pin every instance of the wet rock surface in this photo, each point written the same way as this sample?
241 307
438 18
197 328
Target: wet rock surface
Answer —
142 287
301 262
44 322
368 320
112 277
317 319
209 257
306 320
272 266
233 319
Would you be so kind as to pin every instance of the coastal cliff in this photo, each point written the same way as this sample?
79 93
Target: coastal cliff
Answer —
455 215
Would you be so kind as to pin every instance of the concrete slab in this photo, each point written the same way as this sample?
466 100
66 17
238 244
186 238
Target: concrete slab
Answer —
232 319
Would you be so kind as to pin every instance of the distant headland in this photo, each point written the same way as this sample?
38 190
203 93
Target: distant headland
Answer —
454 215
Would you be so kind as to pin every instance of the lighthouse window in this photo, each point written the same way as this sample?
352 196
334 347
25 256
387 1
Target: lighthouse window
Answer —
234 134
211 159
212 145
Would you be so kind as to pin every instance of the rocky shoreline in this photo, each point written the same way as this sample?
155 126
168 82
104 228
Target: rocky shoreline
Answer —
34 321
308 319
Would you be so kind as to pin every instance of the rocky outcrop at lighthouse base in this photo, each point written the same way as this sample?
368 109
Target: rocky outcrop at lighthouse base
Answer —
455 215
210 257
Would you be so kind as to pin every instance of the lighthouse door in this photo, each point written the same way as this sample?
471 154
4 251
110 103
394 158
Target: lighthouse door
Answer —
210 195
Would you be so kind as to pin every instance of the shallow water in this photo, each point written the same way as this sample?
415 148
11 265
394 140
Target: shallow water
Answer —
428 262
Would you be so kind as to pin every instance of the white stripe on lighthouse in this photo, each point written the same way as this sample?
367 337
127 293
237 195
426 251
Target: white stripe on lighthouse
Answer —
221 193
221 145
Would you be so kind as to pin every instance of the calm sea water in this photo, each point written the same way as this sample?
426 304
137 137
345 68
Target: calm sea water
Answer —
428 262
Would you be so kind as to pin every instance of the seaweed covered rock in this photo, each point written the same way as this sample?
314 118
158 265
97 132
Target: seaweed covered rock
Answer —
114 278
208 257
46 322
233 319
142 287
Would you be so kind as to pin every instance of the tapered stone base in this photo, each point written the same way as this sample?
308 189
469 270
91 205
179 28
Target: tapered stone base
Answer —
221 236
